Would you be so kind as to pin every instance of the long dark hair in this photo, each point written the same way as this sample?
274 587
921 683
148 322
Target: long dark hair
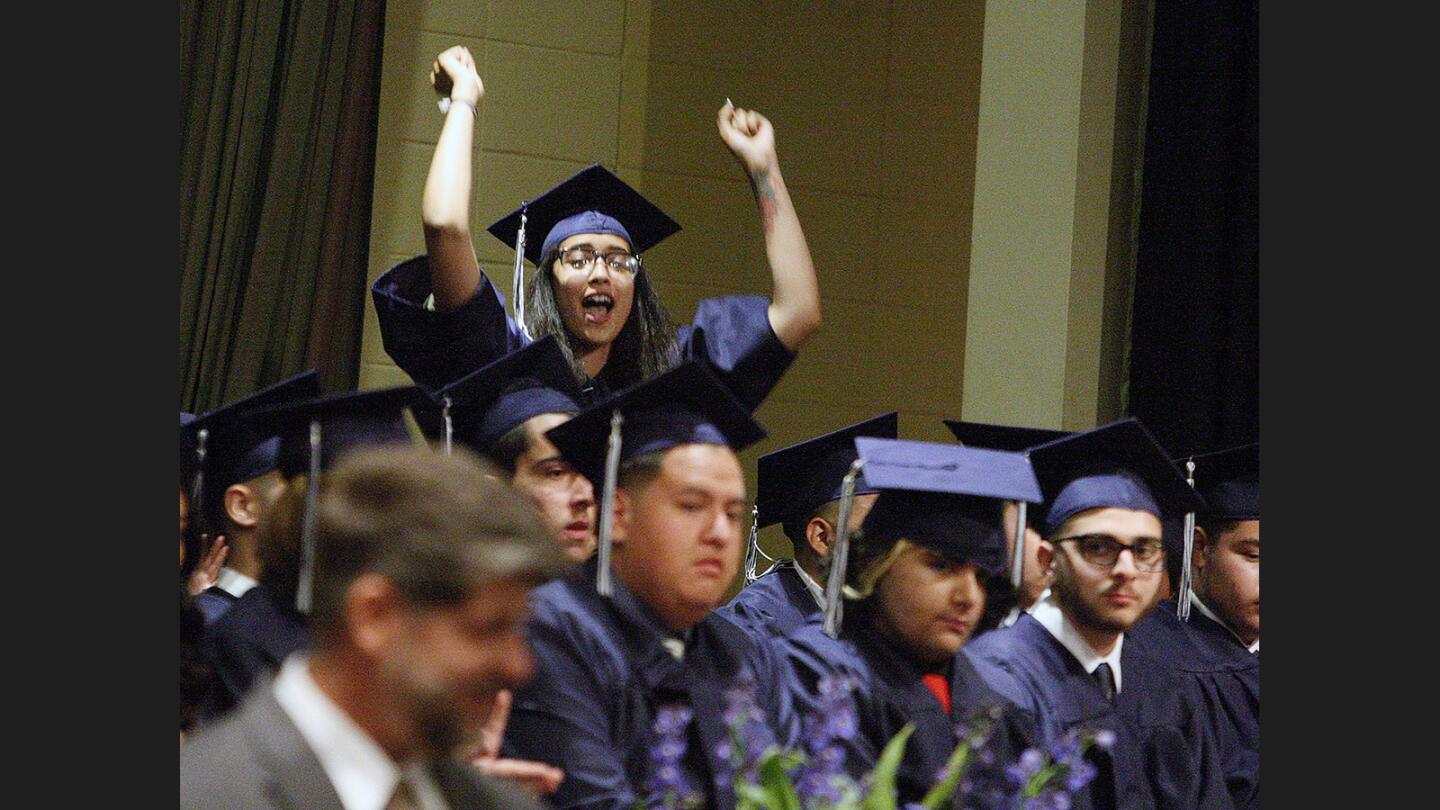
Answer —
647 344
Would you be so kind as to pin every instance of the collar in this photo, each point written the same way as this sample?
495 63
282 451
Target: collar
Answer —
1045 594
364 776
816 592
234 583
1200 606
1047 611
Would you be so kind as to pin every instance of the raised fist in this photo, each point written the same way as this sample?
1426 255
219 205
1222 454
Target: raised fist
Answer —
454 75
749 135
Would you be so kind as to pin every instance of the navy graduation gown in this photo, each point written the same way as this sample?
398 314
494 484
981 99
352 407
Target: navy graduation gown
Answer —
775 605
213 602
890 692
601 674
1164 754
251 638
1227 675
731 333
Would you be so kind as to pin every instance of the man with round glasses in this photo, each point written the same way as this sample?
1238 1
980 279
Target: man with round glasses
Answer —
1067 660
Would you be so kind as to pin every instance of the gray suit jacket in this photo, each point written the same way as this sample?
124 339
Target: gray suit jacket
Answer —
256 758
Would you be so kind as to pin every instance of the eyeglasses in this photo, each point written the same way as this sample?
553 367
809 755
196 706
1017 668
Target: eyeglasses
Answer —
583 256
1103 551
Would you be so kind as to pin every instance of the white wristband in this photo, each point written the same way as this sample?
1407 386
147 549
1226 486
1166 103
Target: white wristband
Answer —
445 103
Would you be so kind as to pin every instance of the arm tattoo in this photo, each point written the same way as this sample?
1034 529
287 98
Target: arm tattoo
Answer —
765 199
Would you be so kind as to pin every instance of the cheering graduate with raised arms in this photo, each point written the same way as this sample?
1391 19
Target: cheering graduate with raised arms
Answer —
441 318
914 580
1067 661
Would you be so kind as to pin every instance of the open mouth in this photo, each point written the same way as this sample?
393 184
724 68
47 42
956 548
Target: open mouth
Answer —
597 307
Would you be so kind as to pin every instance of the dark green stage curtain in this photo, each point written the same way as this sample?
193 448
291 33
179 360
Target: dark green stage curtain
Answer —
279 106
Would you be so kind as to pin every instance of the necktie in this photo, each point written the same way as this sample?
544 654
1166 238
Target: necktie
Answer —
1106 679
940 686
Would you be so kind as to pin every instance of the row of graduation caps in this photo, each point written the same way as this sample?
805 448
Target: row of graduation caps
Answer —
304 432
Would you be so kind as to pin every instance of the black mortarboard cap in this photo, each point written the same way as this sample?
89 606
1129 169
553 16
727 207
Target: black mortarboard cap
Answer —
493 400
1229 481
347 421
1001 437
686 405
795 481
592 201
1115 465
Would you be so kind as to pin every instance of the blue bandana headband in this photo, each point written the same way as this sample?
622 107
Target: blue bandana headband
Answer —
584 222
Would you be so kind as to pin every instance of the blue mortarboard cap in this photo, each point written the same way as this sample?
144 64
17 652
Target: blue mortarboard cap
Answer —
592 201
1001 437
795 481
944 496
1229 481
493 400
686 405
347 421
1115 465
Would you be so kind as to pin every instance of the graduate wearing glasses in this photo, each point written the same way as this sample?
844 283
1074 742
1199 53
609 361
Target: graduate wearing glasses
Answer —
441 318
1067 660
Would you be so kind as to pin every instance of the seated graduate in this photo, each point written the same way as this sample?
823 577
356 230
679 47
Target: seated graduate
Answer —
502 411
1067 660
422 567
269 621
1034 578
239 478
915 576
1218 642
799 487
440 316
629 646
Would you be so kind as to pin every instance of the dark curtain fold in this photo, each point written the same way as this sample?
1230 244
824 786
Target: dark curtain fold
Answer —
1194 365
279 109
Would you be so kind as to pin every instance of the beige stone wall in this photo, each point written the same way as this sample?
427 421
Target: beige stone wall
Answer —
876 107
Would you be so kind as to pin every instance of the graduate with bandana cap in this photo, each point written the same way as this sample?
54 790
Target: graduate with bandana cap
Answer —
799 487
914 584
441 317
1068 662
238 478
633 641
1218 643
502 411
269 621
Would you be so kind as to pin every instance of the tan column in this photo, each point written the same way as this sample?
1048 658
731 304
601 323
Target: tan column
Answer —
1044 159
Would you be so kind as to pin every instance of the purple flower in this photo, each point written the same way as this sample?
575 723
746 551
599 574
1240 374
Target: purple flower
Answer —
667 785
1081 772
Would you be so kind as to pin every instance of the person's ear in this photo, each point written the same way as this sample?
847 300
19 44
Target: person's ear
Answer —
1045 555
624 509
1200 551
820 536
242 506
374 613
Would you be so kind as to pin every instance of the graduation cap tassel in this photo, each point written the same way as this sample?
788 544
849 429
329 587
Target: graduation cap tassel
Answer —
1017 561
752 545
840 557
1182 599
305 582
197 489
449 425
517 275
607 506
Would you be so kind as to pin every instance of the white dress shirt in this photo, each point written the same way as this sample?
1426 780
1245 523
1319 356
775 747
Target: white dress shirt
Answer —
1200 606
364 776
233 582
1048 613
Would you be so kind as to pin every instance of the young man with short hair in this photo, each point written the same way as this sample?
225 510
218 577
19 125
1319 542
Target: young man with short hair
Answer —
614 671
1067 660
800 487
